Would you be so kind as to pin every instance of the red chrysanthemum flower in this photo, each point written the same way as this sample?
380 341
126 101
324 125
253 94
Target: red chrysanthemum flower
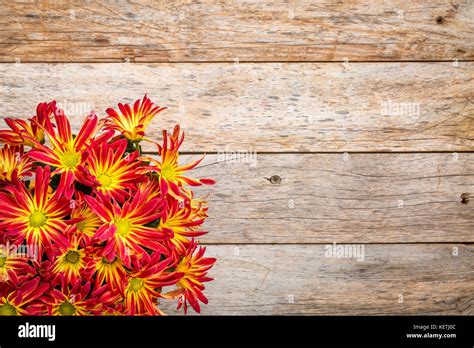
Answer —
39 218
13 268
181 220
77 299
109 171
20 297
24 133
144 285
132 122
86 223
70 260
170 174
14 163
124 228
106 272
103 231
68 151
194 268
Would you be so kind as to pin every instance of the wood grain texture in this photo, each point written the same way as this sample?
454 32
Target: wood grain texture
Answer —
268 107
160 31
243 80
370 198
258 280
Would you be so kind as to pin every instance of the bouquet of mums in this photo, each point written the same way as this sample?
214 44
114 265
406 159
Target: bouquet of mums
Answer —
90 225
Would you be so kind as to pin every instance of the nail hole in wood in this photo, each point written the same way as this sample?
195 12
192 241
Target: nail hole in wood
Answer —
465 197
275 179
440 20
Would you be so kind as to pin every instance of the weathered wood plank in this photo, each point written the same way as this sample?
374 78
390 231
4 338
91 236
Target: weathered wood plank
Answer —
152 31
269 107
265 279
370 198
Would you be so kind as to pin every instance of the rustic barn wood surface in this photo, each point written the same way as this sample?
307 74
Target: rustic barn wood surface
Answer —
299 279
275 107
220 30
347 122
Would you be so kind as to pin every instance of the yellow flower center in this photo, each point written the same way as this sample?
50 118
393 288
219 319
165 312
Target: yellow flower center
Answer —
133 135
183 266
3 260
70 160
135 284
7 309
38 219
67 308
167 172
81 225
40 136
123 227
105 180
72 256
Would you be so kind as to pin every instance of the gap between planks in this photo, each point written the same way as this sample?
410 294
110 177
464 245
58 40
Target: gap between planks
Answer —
204 243
192 153
240 62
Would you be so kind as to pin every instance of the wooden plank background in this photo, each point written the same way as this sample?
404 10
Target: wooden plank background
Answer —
287 99
186 30
300 279
270 107
323 198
